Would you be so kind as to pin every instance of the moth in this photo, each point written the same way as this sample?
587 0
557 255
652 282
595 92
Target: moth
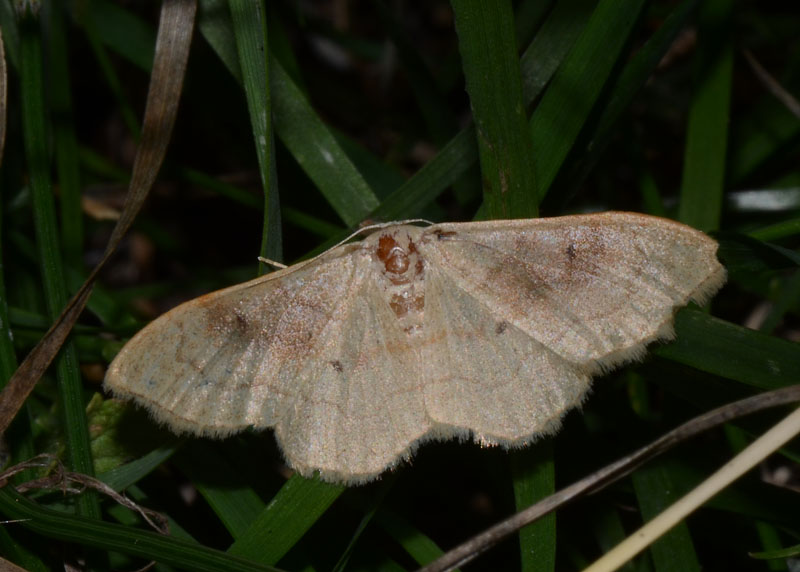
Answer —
484 330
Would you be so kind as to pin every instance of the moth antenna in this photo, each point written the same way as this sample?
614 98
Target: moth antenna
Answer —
380 225
278 265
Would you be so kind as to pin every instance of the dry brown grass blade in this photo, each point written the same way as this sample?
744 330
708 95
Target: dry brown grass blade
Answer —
176 25
600 479
69 482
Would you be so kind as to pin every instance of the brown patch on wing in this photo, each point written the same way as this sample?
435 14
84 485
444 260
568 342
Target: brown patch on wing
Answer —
583 255
403 305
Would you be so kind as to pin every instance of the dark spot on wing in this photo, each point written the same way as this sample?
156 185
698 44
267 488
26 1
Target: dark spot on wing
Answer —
444 235
571 251
241 320
337 365
501 327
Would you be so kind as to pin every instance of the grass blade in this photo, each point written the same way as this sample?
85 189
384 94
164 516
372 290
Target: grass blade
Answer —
715 346
534 476
633 77
235 503
707 140
563 111
65 142
655 490
316 150
298 505
250 29
551 45
118 538
69 379
488 52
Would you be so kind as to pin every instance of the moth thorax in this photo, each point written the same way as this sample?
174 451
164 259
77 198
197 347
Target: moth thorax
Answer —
398 258
402 269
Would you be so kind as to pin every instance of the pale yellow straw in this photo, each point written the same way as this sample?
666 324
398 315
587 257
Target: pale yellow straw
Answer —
756 452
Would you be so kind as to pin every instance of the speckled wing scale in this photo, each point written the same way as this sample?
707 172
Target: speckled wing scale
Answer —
487 329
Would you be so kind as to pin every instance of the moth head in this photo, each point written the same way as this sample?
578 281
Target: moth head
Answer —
394 250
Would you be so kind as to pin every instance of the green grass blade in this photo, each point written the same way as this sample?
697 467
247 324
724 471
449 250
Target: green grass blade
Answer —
787 296
435 110
382 177
637 71
250 29
419 546
92 24
551 45
533 472
19 438
8 357
126 475
222 188
34 131
767 534
781 553
431 180
528 17
145 544
308 139
608 531
66 145
215 24
298 505
124 32
656 490
236 504
314 225
765 134
315 148
788 227
707 139
431 99
8 23
563 111
715 346
534 475
538 64
369 512
488 52
19 554
455 159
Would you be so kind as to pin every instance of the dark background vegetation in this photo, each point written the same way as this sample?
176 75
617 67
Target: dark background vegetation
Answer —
642 106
